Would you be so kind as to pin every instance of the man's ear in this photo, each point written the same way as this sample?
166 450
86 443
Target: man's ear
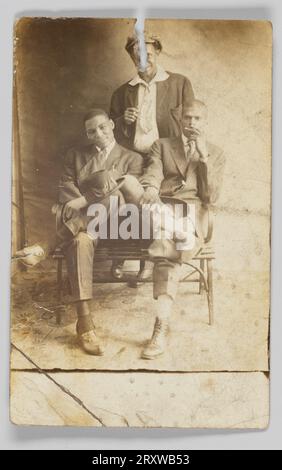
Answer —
112 124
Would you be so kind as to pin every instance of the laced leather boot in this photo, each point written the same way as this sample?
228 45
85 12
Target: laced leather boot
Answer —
158 342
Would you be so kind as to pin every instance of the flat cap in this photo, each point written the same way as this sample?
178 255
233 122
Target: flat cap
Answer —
149 39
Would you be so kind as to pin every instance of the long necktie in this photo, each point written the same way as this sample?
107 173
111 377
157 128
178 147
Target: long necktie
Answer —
190 148
146 111
102 158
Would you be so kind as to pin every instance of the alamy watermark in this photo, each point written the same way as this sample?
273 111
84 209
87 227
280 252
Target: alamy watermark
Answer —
156 221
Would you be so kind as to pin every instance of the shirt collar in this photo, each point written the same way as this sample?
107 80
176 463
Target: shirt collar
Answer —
160 76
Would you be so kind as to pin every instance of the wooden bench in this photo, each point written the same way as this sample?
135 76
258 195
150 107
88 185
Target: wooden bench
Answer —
120 250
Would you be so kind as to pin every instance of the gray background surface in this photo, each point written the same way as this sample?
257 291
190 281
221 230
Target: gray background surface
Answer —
13 437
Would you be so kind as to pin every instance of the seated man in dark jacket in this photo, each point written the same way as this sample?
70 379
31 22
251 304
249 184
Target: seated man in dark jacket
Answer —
102 153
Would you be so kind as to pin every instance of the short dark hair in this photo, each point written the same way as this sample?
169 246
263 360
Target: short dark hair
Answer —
93 113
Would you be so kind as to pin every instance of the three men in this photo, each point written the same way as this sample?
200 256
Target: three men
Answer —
155 114
102 153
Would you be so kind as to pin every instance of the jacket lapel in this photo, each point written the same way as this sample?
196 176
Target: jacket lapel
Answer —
162 89
192 165
131 96
178 154
113 157
91 166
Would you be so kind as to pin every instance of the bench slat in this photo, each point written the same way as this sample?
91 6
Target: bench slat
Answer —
140 254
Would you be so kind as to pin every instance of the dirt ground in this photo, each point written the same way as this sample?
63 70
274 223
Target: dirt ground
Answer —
124 319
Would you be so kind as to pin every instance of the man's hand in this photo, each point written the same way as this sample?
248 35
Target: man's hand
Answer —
75 205
201 144
130 115
150 196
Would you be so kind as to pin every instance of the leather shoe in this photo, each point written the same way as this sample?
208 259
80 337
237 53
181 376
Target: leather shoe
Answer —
89 342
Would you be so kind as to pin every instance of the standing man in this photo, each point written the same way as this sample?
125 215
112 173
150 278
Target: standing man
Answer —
80 166
148 107
189 168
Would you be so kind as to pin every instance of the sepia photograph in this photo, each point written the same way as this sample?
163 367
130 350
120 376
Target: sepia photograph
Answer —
141 205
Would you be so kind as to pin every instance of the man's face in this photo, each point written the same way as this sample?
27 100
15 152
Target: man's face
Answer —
151 67
194 120
99 130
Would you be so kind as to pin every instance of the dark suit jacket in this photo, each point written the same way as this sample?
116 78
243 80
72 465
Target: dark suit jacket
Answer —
80 163
171 95
169 171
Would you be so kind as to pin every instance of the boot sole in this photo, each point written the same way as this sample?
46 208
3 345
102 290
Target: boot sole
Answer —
145 356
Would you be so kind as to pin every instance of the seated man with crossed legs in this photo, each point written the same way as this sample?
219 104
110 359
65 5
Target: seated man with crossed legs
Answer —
101 153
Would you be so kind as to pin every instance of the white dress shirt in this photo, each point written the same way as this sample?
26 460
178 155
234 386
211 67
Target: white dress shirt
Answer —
146 123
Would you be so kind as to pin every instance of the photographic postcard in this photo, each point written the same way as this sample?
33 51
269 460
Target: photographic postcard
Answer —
141 205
